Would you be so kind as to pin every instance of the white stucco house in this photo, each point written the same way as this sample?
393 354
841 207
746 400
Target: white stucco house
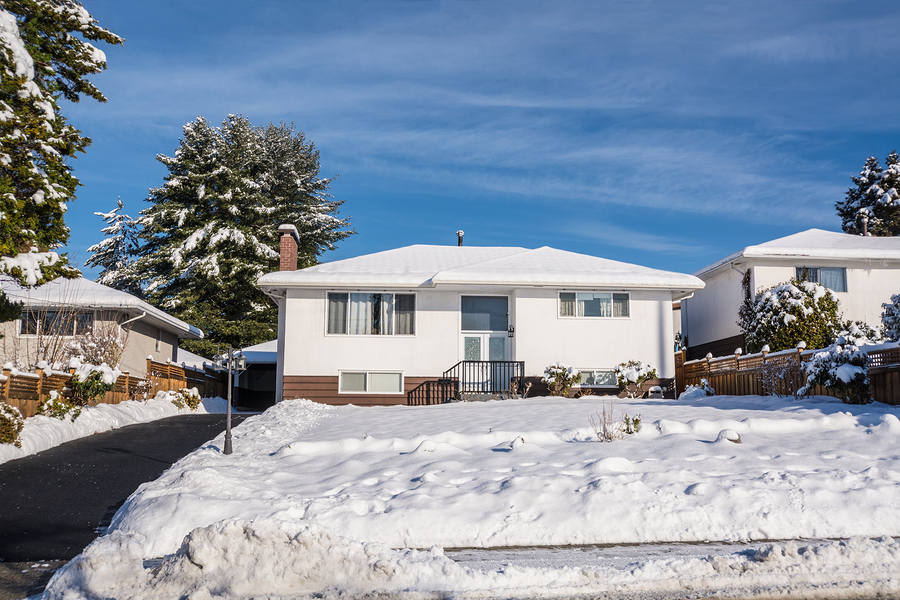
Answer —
862 271
65 311
370 329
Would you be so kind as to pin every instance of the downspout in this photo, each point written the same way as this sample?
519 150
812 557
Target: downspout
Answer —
140 316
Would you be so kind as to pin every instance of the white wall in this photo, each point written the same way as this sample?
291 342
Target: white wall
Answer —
869 284
711 313
433 349
541 337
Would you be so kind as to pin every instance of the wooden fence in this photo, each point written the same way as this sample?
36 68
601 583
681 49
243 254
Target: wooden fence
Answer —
26 390
737 375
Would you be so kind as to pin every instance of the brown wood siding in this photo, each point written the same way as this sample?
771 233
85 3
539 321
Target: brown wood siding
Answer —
324 389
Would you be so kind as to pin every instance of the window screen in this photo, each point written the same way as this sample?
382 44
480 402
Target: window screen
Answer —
337 313
353 382
484 313
405 314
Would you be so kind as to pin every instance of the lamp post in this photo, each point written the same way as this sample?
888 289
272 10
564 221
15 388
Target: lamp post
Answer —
230 362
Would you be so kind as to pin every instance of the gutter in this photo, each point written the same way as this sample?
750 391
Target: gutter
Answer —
140 316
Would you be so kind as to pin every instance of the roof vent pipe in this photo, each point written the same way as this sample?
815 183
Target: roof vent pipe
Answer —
459 235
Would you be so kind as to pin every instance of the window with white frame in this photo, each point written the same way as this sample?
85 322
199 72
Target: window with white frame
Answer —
594 304
364 313
56 322
833 278
371 382
597 378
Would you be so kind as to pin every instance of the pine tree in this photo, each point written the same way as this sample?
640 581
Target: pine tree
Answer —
44 58
211 229
114 254
876 195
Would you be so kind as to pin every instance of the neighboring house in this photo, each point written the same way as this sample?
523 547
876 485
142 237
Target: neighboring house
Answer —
68 311
862 271
370 329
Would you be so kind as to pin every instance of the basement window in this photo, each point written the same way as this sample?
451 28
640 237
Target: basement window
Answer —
597 378
371 382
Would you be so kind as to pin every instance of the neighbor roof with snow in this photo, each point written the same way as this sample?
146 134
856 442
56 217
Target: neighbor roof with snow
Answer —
265 352
85 293
432 266
817 244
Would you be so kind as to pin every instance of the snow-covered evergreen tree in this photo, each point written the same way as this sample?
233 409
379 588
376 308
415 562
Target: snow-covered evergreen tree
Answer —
789 313
875 194
890 318
211 229
44 56
114 253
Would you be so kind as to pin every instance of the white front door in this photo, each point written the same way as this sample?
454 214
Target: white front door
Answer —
488 345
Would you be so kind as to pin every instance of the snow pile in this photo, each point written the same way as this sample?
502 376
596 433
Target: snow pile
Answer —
42 432
269 558
455 476
108 375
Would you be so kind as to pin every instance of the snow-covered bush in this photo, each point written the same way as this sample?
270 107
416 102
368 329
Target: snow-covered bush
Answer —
57 407
842 370
890 318
788 313
184 398
91 382
632 375
859 333
560 379
11 424
695 392
104 344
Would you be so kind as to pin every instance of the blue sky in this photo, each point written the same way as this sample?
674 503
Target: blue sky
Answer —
666 134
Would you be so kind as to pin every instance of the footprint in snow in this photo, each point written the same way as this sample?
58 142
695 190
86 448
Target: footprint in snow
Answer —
509 446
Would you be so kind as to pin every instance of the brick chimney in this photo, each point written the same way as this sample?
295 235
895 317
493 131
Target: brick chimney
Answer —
289 242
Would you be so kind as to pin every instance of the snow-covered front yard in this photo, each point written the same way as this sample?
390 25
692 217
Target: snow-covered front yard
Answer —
344 484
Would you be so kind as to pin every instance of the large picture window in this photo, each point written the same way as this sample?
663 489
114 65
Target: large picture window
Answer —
594 304
833 278
371 382
364 313
56 322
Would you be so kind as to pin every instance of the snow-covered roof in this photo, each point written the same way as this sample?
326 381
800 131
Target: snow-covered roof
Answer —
266 352
189 359
431 266
90 294
817 244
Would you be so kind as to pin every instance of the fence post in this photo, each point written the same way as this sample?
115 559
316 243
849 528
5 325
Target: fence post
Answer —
127 385
40 383
7 373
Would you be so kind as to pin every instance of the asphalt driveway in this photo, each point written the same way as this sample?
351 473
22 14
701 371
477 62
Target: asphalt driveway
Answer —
54 503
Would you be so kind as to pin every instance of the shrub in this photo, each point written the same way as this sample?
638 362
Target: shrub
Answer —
632 375
890 318
560 379
607 427
185 398
859 333
788 313
11 424
842 370
772 375
91 382
692 392
56 407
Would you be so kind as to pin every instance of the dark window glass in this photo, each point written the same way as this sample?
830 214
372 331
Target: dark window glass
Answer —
485 313
405 314
337 313
29 323
84 323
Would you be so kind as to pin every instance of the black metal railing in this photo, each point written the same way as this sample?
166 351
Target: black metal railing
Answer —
433 391
486 376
